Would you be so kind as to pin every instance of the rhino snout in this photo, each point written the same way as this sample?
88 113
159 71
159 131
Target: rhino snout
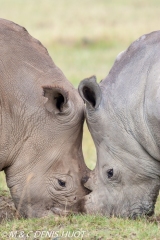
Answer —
87 205
60 212
87 181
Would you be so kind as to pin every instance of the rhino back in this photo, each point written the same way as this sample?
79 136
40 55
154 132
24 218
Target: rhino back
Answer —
20 50
132 87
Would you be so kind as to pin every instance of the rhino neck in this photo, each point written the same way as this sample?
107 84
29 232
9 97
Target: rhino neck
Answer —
17 126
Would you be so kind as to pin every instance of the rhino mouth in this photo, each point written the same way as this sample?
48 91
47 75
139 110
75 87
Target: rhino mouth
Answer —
60 212
78 207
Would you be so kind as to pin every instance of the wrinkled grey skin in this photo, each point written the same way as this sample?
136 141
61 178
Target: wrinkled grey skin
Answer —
123 116
41 118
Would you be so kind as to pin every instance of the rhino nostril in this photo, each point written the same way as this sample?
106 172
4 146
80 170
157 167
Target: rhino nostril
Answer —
84 179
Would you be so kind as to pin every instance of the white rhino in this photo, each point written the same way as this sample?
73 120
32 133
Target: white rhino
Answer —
123 116
41 119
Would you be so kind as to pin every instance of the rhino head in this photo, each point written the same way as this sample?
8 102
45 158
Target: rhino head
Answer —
123 117
41 120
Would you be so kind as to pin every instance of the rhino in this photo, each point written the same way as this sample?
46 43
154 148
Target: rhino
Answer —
41 120
123 116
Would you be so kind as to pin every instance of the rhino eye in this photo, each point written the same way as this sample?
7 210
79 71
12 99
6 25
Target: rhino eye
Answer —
110 173
61 183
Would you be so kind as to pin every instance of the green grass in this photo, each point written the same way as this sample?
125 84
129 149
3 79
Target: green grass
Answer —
3 185
83 38
90 227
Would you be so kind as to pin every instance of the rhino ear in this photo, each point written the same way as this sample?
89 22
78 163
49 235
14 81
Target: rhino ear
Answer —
57 98
90 91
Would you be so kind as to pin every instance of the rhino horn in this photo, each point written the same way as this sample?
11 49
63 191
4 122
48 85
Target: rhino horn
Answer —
89 181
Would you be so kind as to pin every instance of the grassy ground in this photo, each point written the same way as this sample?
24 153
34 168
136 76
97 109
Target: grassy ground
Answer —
83 38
